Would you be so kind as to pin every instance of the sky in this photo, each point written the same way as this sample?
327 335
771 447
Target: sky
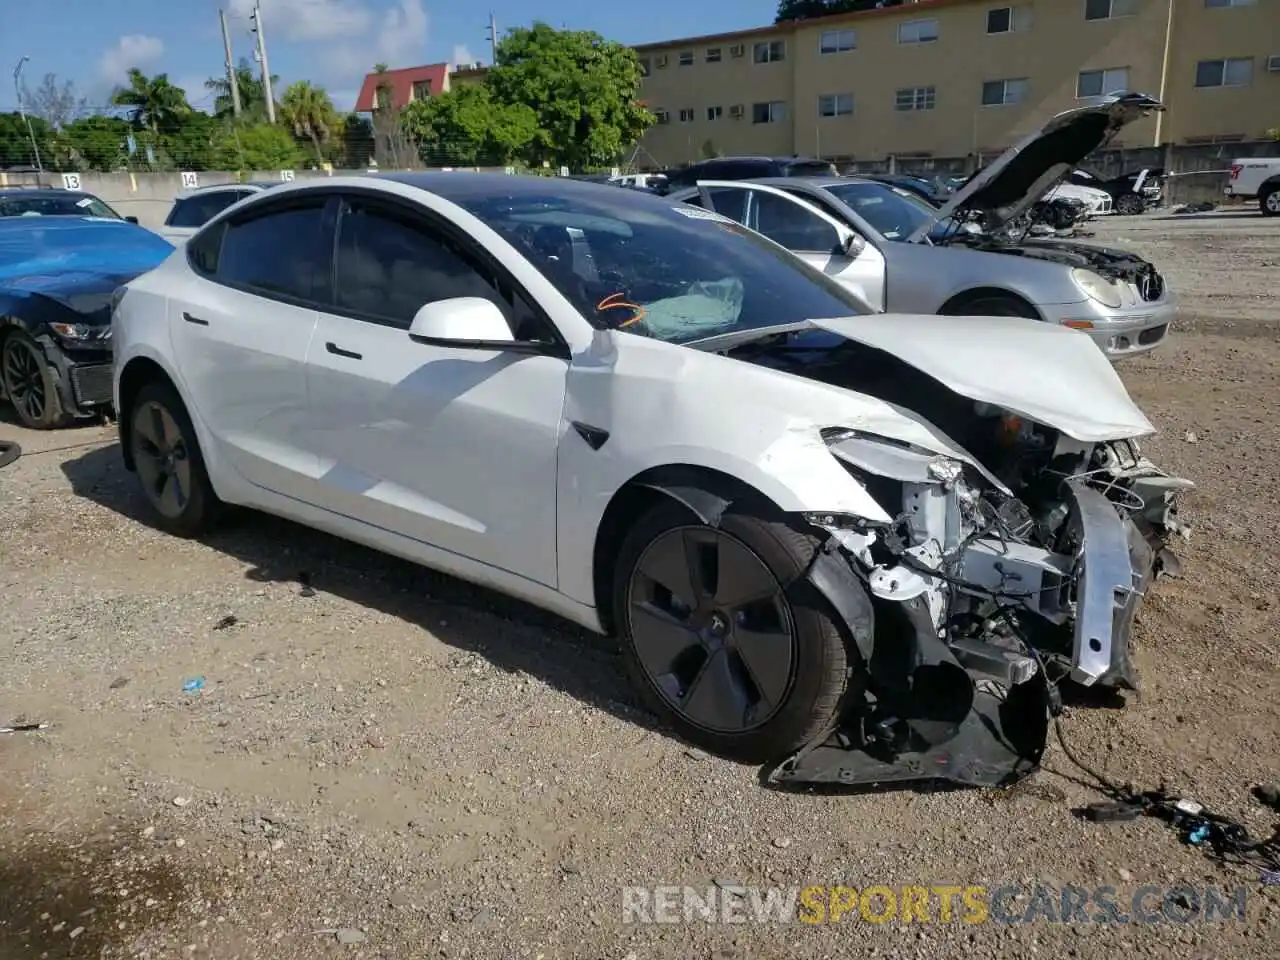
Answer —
329 42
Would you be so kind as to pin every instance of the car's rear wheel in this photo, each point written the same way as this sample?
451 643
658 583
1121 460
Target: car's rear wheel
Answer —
724 637
1269 202
1129 205
30 383
166 456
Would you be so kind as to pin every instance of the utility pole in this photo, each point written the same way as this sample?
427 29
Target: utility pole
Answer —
256 16
493 39
17 92
231 67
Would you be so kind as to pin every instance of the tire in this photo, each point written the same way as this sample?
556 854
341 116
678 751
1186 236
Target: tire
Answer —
190 508
786 707
1269 202
30 383
991 306
1129 205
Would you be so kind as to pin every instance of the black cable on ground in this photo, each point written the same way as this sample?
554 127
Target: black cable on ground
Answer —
9 452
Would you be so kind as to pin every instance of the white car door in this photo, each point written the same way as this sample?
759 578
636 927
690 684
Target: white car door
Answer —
454 447
818 238
240 322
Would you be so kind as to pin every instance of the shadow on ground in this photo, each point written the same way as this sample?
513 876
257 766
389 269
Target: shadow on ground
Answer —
581 664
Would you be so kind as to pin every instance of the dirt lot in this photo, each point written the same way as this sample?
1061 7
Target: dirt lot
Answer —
437 772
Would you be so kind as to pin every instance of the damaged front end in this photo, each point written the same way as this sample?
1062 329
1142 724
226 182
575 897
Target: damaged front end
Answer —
988 587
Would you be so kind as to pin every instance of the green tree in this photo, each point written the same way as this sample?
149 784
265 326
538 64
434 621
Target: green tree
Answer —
808 9
581 88
253 100
96 143
15 141
154 103
309 111
191 144
262 146
468 127
351 146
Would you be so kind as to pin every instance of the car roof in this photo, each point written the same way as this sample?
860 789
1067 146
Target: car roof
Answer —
18 191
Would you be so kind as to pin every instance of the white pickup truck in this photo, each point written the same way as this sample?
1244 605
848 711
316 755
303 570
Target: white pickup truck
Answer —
1257 178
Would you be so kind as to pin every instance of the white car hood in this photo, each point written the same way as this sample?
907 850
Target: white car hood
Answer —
1053 375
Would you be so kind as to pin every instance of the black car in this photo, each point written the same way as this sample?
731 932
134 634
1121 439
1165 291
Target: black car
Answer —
1130 192
54 202
925 189
745 168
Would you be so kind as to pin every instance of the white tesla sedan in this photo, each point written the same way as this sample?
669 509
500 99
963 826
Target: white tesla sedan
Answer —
858 546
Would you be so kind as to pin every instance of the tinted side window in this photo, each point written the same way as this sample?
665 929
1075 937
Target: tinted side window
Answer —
792 225
278 252
203 250
391 263
198 210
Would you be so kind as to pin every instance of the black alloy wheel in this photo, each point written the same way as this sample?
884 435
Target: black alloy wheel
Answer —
29 383
168 462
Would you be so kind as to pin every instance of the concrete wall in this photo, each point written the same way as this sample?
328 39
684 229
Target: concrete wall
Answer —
149 196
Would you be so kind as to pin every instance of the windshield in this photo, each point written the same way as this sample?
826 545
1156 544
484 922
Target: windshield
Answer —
54 205
631 261
895 213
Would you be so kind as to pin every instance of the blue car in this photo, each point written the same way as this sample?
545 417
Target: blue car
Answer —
57 277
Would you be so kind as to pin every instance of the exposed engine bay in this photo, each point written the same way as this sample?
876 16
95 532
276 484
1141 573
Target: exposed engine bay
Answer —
1109 262
985 599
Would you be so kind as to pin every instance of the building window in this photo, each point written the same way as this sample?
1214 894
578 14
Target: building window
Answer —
421 89
686 58
837 41
998 93
835 104
918 31
662 116
715 113
1109 9
1234 72
1097 83
1008 19
643 63
916 98
1214 4
770 51
686 115
773 112
713 54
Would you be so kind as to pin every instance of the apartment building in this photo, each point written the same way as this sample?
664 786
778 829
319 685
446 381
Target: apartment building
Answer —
954 78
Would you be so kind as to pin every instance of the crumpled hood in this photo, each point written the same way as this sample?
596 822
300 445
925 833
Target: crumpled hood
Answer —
74 261
1053 375
1007 187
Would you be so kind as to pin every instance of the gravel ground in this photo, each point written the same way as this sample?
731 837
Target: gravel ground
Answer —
393 764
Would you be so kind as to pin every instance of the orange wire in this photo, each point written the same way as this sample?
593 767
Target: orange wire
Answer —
612 302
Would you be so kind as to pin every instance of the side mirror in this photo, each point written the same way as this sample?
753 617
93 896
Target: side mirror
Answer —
461 322
130 219
853 245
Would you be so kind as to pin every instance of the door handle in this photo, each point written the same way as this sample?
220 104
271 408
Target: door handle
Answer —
190 318
338 351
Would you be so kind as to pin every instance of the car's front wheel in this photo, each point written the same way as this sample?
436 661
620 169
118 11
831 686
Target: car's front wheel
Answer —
166 456
724 637
30 383
1269 202
1130 204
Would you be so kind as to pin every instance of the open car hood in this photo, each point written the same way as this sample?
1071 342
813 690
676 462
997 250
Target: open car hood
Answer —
1053 375
1008 186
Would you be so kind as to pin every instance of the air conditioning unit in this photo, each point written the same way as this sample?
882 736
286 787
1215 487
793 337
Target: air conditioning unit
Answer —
660 60
736 111
737 50
1273 63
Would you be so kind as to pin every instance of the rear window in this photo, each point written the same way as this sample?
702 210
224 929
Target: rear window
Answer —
198 210
810 168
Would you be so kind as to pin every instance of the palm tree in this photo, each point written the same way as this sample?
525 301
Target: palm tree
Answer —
253 102
155 102
310 112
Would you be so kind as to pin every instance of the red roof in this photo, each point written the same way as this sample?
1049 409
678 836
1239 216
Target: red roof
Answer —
401 83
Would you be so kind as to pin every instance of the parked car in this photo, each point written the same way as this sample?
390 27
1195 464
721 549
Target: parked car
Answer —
57 275
893 251
1131 193
54 202
744 168
1256 178
809 524
928 190
192 209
